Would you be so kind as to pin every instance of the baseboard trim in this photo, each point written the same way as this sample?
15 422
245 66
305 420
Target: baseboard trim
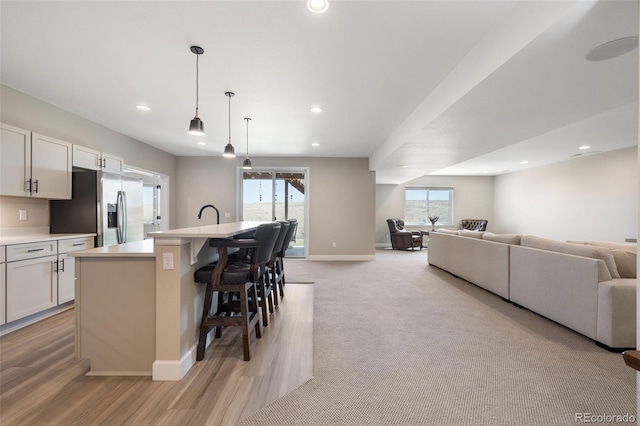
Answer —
174 370
348 258
118 373
34 318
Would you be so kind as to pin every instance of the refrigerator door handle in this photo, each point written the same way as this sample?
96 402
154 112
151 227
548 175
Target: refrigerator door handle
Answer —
125 214
119 219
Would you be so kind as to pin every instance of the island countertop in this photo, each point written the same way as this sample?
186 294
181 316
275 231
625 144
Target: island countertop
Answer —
133 249
224 230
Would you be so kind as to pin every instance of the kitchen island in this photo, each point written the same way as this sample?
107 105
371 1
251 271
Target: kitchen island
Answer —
139 307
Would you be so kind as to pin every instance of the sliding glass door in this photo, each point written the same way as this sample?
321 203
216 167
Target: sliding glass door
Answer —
269 194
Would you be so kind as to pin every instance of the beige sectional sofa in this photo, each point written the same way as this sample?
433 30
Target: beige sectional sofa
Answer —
587 286
484 263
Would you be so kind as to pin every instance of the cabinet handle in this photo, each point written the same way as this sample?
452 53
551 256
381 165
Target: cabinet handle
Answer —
35 184
55 267
28 186
78 244
103 163
34 250
62 270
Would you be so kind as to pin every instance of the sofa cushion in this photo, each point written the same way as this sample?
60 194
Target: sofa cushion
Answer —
626 263
612 246
584 250
502 238
448 231
471 234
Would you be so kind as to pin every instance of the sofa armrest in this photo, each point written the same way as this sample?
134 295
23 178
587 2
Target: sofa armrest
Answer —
617 313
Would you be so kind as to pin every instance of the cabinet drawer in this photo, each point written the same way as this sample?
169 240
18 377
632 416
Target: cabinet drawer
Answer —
3 258
75 244
31 250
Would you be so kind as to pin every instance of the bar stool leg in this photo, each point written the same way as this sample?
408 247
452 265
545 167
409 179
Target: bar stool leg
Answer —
246 316
204 327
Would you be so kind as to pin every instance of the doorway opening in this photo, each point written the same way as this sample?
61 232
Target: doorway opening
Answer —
277 194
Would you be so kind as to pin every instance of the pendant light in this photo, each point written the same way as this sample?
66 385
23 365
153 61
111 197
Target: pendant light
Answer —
246 164
197 126
229 152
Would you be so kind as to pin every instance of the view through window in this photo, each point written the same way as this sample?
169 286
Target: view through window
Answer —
420 203
276 195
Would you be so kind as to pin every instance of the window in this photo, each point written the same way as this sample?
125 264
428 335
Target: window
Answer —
420 203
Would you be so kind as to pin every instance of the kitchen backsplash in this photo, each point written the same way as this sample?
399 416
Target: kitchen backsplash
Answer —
36 211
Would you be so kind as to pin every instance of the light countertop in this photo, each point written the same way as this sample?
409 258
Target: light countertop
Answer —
133 249
23 239
224 230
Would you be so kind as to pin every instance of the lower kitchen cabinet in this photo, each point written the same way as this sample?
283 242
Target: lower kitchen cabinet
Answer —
3 290
32 286
39 276
66 278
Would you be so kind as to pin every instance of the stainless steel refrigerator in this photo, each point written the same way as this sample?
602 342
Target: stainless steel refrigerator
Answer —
109 205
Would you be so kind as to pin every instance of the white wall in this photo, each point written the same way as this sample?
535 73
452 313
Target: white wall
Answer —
23 111
340 191
472 199
591 197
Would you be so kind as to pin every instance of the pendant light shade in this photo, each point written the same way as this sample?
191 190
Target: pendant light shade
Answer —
229 152
196 127
246 164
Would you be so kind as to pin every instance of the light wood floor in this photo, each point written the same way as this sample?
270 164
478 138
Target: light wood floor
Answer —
42 383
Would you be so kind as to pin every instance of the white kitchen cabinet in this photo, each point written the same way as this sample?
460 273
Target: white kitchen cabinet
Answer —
51 164
3 286
32 286
15 161
34 165
66 278
92 159
66 266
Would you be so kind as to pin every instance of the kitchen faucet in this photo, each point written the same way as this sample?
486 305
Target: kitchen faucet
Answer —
213 207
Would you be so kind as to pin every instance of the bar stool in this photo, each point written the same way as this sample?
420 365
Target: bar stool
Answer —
275 277
280 281
238 278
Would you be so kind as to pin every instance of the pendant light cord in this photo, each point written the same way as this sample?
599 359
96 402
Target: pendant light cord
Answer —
197 82
229 119
247 136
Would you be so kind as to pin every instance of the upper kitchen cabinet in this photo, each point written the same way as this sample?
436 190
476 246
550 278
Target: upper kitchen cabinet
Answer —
15 161
87 158
50 168
33 165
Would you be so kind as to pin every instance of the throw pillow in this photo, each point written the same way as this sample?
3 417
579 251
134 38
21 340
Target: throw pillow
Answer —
513 239
471 234
626 263
593 252
447 231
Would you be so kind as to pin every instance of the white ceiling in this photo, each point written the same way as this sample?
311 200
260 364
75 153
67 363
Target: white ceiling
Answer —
438 87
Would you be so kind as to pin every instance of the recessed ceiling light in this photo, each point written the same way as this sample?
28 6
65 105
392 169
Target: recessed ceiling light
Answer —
583 147
316 110
524 162
485 171
142 107
403 166
315 144
201 143
613 49
318 6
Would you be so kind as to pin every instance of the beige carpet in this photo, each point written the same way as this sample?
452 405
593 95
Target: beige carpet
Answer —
397 342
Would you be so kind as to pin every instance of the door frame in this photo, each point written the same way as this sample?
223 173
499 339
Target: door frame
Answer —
279 169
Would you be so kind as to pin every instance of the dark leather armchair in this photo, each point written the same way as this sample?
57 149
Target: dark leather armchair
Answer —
474 224
401 238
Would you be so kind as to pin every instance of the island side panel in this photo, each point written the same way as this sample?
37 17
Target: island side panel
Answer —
117 314
179 301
